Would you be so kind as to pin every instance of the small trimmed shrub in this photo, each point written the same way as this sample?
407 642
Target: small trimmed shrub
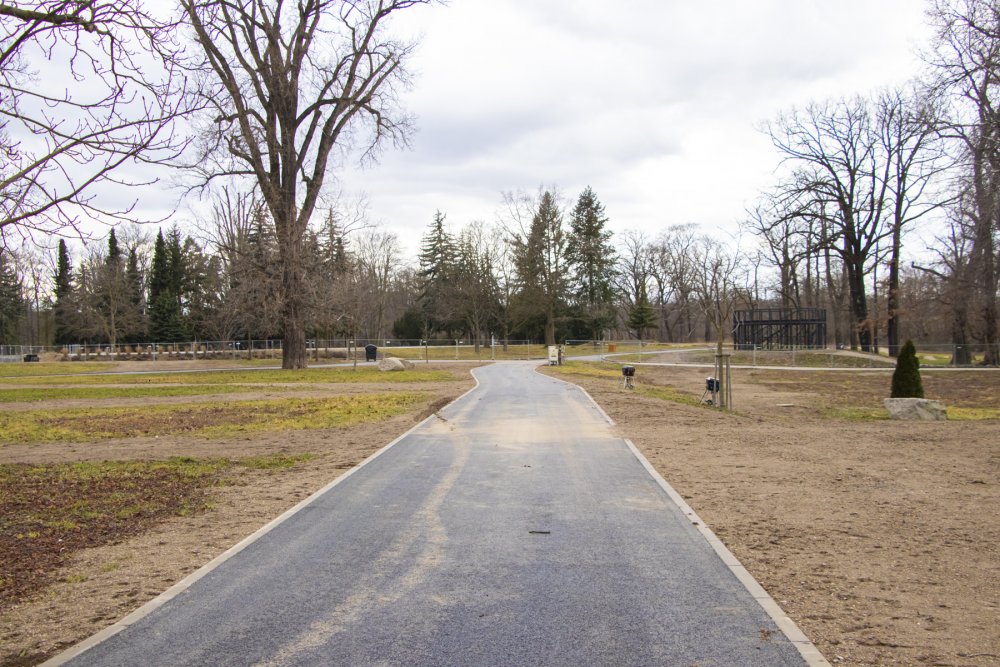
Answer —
906 378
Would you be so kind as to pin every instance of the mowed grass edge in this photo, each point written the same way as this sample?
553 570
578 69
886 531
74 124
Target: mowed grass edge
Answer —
36 394
612 371
269 377
845 396
207 420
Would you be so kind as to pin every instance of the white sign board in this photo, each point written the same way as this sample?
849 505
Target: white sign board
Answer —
553 355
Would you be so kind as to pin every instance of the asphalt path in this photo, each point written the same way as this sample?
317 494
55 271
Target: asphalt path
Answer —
513 528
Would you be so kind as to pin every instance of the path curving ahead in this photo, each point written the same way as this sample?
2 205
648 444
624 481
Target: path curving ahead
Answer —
514 529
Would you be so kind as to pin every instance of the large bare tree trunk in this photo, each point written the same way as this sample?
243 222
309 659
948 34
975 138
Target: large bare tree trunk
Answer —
962 355
293 306
892 299
984 246
859 305
550 325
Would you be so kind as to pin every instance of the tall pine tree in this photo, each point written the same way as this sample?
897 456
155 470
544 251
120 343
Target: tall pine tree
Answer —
333 246
438 258
591 260
65 307
10 299
136 297
166 324
641 315
114 252
540 264
108 302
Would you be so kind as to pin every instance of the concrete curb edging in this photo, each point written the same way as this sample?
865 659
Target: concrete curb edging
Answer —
805 647
188 581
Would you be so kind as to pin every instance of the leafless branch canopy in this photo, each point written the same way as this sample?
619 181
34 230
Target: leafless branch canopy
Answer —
88 92
286 84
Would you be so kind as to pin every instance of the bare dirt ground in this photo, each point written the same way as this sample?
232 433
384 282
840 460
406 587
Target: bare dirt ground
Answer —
880 539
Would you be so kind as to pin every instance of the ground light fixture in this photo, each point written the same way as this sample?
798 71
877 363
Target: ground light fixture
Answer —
628 377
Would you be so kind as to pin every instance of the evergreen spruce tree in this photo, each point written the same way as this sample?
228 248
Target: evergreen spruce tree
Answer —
438 258
177 268
165 322
200 287
333 245
137 298
114 252
410 325
257 281
906 381
108 301
159 275
10 299
64 309
476 288
591 259
641 315
540 265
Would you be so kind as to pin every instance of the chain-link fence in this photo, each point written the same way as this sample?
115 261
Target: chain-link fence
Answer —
625 351
323 350
930 355
16 353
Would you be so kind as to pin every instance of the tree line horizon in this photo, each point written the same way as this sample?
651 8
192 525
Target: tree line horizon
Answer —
269 107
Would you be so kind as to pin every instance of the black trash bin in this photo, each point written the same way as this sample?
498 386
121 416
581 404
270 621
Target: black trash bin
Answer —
371 352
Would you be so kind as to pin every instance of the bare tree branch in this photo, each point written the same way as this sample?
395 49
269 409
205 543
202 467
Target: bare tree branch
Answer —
60 144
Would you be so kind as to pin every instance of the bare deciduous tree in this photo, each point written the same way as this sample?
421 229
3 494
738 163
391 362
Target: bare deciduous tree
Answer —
60 144
956 281
719 275
672 269
477 286
907 123
786 235
966 61
839 175
377 260
286 85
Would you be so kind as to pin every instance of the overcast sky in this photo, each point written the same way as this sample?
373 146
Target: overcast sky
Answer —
656 104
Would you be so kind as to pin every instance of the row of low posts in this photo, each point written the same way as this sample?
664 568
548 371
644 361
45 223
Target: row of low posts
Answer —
127 352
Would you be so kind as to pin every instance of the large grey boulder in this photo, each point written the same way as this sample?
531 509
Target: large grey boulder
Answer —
393 364
920 409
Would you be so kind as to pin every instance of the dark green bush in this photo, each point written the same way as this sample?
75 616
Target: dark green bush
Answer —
906 378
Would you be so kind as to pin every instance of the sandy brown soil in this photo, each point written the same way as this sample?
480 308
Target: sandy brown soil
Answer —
879 538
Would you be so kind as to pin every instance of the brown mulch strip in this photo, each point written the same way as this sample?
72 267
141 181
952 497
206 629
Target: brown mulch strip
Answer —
49 512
